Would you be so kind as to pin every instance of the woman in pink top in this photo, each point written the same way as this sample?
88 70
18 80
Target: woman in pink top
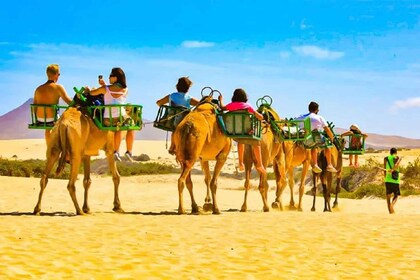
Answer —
239 102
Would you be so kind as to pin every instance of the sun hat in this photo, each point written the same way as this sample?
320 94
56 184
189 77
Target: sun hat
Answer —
355 127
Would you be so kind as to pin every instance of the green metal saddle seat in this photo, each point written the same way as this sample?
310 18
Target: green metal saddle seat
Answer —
355 145
129 116
241 126
293 130
168 117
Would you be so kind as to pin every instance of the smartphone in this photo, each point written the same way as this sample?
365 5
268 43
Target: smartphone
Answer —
100 77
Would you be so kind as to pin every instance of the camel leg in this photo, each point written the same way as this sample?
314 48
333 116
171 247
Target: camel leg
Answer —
281 184
194 207
248 169
86 183
220 161
327 196
112 165
291 180
51 159
71 187
263 188
186 169
337 190
207 178
302 183
314 180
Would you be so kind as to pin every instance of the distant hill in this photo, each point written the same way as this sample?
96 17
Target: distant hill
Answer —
14 125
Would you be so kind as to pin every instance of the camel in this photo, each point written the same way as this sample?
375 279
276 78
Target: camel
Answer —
198 137
272 152
326 177
295 154
76 134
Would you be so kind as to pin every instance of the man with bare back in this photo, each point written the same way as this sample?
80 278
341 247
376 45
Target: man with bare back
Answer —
49 93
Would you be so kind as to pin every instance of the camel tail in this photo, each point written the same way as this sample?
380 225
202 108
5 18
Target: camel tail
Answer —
63 146
185 135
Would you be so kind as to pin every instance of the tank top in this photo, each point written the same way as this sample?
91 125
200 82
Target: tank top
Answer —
110 100
388 176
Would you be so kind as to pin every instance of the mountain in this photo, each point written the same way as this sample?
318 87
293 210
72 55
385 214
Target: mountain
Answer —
14 125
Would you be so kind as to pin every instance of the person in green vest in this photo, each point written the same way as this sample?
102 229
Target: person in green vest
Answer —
392 181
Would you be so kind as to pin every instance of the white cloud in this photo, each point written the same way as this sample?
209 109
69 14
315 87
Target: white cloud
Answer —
406 103
197 44
317 52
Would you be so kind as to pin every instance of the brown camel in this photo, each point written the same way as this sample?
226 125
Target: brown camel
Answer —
75 134
198 137
326 177
272 152
295 155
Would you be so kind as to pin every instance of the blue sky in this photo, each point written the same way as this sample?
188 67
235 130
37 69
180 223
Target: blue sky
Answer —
360 60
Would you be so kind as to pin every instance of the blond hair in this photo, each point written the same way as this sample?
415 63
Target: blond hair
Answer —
52 69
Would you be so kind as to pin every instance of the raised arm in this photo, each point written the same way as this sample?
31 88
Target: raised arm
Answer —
163 100
63 94
329 133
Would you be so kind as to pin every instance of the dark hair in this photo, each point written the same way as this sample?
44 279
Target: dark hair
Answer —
184 84
313 107
119 73
239 95
393 151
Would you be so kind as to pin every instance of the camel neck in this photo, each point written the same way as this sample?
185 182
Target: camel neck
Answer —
50 82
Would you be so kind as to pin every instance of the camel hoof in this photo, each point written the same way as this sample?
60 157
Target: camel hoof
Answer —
37 213
266 209
118 210
335 205
300 209
216 211
313 209
80 213
292 207
277 205
207 207
243 209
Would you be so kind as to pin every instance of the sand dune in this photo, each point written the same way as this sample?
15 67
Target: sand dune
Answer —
360 240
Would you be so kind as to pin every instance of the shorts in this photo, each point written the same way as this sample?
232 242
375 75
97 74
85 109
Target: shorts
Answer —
392 188
46 122
316 140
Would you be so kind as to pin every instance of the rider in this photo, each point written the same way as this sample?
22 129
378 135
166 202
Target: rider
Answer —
239 102
49 93
181 98
115 93
318 124
355 142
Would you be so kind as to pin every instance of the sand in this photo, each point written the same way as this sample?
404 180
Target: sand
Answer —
360 240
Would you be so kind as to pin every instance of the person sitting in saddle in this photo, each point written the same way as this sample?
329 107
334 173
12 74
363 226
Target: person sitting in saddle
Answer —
49 93
318 125
239 102
180 98
114 94
355 142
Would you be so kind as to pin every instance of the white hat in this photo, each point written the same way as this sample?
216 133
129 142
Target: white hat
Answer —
354 127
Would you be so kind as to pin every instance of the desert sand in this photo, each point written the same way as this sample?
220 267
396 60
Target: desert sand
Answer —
359 240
